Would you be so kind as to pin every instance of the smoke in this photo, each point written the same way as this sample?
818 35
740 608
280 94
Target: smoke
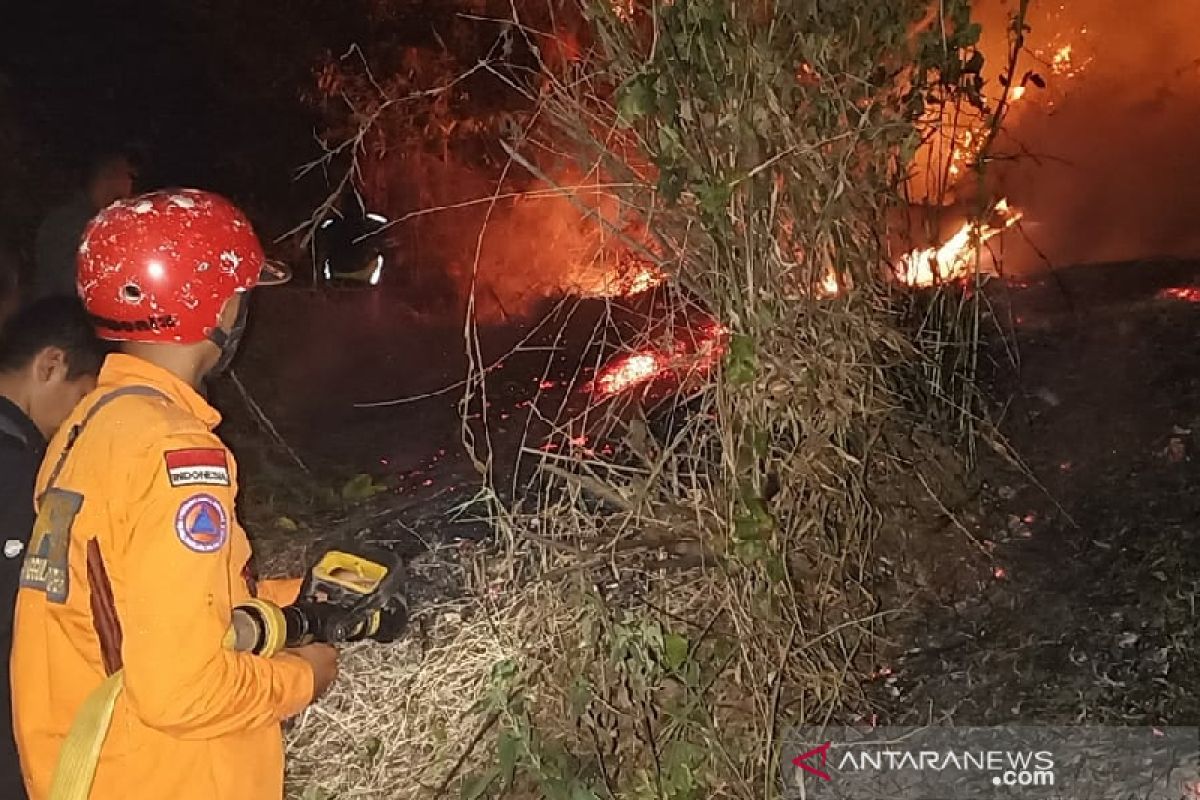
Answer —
511 244
1106 158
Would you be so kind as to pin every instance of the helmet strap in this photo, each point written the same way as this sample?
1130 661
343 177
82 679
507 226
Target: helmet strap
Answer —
229 340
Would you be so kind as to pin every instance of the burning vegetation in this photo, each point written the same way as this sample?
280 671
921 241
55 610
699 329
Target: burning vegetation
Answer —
765 254
750 246
958 256
693 353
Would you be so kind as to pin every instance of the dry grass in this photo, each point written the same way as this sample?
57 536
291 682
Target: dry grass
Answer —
401 715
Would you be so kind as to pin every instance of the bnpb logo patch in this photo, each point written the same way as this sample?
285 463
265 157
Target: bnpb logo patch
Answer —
202 524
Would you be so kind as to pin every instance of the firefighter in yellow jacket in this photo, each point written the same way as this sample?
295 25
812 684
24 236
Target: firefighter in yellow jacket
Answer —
137 557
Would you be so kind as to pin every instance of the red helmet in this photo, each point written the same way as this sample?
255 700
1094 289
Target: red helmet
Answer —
160 267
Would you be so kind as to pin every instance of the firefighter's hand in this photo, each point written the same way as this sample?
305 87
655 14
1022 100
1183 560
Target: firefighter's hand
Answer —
323 659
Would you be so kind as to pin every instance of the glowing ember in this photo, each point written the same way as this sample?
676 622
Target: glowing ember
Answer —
932 265
1189 294
628 371
696 353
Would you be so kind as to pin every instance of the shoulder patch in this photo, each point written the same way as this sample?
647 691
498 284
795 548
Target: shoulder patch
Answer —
202 524
47 558
197 467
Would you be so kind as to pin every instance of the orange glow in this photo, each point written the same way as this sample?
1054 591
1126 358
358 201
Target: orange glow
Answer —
954 133
933 265
1189 294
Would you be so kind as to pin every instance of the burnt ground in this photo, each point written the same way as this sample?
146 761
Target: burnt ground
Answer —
313 359
1091 612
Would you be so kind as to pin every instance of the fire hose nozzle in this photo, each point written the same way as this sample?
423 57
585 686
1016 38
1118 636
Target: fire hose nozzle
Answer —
264 629
352 593
257 627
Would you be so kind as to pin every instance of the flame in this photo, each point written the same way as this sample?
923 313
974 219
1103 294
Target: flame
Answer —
921 267
1061 60
932 265
954 134
829 286
627 277
644 281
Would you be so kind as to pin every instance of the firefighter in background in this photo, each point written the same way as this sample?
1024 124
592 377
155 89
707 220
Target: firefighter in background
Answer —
349 244
137 556
109 177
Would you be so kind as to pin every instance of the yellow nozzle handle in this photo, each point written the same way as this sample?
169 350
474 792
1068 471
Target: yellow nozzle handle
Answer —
258 627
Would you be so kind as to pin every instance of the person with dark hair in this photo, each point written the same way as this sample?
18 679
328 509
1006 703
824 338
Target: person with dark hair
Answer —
49 359
108 178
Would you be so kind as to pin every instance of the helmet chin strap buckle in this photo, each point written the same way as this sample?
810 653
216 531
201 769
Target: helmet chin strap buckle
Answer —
229 340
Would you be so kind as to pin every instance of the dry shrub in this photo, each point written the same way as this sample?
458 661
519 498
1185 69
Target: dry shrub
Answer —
649 626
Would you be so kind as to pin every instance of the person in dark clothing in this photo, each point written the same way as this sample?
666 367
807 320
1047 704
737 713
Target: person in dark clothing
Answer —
109 178
49 359
9 283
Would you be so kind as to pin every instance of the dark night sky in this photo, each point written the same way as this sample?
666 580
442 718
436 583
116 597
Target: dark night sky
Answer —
208 91
91 75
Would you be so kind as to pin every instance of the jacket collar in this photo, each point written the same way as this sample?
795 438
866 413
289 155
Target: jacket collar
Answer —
124 370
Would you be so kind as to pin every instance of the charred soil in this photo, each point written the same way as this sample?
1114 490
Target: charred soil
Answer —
1089 613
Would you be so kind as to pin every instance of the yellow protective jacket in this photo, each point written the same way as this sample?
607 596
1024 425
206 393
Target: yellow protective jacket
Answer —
148 490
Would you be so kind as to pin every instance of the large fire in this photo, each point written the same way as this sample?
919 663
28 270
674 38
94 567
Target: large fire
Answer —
954 146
